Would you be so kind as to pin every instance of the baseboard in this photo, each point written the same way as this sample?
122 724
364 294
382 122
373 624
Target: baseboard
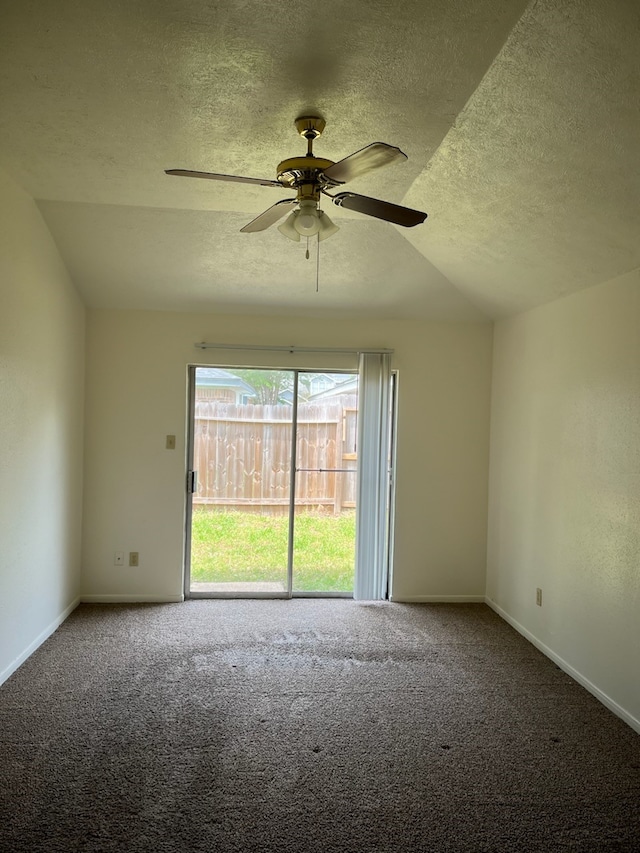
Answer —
131 599
437 599
607 701
39 640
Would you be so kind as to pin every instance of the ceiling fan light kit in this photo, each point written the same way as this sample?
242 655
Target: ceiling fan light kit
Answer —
308 221
311 177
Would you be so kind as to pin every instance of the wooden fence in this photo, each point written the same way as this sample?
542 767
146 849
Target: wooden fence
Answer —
242 455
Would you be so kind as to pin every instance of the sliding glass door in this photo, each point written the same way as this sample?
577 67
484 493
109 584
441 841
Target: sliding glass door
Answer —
271 483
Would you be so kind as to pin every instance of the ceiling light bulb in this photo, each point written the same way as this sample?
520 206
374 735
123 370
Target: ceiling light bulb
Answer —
307 222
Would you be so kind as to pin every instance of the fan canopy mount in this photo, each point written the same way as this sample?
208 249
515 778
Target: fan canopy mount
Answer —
310 127
312 177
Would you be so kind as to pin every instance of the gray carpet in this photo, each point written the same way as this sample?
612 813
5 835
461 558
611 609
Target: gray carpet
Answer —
307 725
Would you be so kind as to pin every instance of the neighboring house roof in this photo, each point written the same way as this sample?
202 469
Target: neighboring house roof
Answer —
328 385
216 377
348 386
325 379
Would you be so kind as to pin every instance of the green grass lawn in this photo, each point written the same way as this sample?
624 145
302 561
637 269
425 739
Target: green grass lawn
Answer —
230 546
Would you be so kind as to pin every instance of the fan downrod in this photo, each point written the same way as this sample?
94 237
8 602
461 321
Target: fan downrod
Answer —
310 128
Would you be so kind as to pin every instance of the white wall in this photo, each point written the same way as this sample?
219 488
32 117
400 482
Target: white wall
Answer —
565 484
136 395
41 427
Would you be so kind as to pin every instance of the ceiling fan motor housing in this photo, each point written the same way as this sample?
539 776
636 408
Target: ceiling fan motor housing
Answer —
304 171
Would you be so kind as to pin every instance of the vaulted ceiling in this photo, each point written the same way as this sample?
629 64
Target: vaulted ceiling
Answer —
520 121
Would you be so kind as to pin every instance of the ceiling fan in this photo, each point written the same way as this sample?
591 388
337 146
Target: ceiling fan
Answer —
311 176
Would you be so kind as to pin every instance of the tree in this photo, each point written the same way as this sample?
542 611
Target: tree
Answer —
269 384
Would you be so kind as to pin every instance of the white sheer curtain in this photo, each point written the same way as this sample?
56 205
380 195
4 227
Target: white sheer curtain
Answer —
371 576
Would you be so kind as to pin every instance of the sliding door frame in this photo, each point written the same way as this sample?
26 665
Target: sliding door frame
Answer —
191 485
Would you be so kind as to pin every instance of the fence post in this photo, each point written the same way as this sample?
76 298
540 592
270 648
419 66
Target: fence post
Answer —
338 481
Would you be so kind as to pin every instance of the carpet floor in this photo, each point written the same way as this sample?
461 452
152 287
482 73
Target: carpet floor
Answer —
326 726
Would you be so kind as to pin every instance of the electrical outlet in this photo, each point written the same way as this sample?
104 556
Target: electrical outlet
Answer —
118 558
171 442
133 558
539 597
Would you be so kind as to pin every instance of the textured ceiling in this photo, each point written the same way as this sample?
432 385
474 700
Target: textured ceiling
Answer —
520 122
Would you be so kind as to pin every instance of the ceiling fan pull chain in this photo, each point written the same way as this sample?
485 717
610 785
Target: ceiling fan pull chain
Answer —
318 265
307 252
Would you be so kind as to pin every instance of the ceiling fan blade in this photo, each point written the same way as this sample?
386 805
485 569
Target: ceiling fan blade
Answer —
380 209
185 173
371 157
270 215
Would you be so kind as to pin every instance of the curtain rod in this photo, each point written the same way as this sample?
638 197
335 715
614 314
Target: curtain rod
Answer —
291 349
